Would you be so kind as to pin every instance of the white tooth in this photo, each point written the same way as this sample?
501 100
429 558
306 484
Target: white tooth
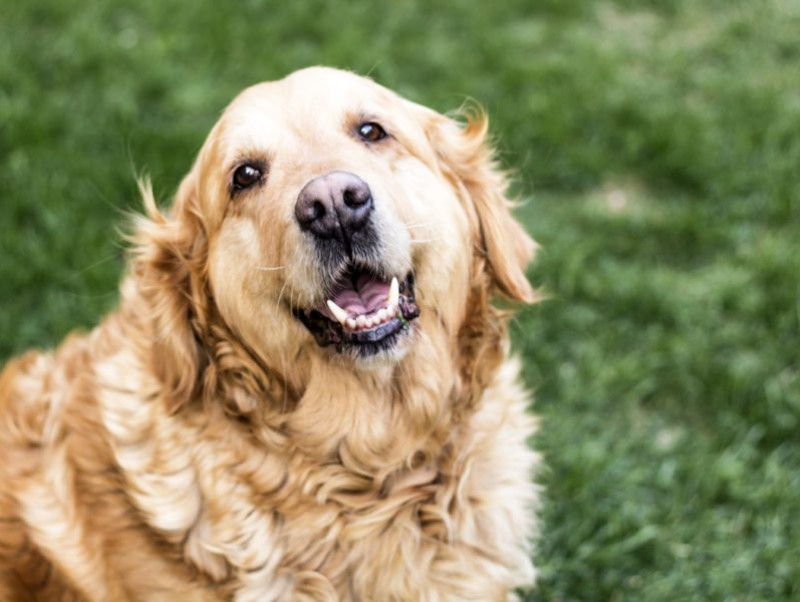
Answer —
337 312
394 292
361 321
351 323
391 310
381 315
372 321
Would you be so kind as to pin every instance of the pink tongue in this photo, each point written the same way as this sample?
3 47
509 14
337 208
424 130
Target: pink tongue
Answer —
370 294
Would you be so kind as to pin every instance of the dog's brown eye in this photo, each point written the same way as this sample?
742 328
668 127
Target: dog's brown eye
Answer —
245 176
371 132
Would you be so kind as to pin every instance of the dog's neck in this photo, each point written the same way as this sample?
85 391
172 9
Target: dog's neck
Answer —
377 420
395 417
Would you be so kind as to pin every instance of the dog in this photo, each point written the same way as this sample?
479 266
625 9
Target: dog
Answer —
306 392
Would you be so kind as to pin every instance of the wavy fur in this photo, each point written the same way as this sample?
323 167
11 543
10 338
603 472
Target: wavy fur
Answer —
198 445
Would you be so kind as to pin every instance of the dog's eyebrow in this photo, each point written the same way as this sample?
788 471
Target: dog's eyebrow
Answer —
257 156
365 115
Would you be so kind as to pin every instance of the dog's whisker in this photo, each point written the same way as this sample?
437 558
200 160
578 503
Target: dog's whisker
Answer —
280 295
433 222
95 264
419 241
265 268
107 295
394 245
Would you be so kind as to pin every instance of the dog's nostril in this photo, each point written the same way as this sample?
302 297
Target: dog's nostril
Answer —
355 197
316 210
310 210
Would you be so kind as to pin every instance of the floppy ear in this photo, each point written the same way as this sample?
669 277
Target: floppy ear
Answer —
466 157
168 259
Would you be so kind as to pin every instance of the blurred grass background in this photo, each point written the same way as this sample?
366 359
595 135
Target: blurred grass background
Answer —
658 145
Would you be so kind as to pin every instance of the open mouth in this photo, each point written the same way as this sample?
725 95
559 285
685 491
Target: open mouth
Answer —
364 313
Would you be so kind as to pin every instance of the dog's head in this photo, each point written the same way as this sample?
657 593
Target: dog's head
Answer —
327 215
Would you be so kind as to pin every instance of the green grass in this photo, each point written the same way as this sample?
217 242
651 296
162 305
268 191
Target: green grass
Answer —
658 144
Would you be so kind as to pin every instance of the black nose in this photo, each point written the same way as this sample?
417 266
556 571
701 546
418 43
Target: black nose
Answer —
335 205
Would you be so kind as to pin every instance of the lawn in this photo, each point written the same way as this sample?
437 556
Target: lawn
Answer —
657 148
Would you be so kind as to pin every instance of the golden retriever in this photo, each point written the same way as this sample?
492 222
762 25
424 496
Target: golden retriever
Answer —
305 393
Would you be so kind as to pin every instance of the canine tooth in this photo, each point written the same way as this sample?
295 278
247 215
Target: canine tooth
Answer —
394 292
337 311
391 310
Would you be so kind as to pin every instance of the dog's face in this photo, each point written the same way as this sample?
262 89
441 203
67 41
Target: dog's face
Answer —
342 218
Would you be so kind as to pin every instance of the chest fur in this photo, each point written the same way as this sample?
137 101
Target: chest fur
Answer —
260 517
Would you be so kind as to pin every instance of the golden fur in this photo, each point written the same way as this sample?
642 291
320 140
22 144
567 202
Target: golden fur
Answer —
199 445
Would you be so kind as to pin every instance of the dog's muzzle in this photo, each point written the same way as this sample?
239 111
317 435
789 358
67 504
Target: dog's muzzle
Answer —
364 312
